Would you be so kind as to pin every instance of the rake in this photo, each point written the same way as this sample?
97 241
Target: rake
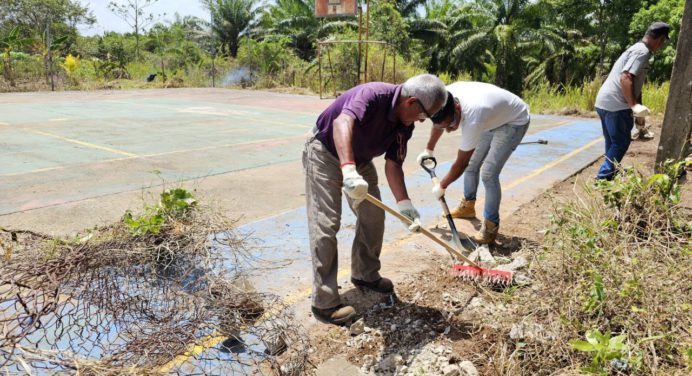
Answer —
470 272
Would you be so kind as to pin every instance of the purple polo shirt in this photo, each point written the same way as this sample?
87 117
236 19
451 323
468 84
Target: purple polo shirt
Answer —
376 130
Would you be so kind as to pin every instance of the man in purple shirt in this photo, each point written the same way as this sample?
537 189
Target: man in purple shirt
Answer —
365 122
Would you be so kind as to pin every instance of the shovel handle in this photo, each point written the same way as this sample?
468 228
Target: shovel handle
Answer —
370 198
429 164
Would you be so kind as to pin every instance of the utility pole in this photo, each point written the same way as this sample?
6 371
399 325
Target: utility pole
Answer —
49 45
677 123
213 50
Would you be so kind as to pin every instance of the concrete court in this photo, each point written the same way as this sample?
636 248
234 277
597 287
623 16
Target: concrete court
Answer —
73 160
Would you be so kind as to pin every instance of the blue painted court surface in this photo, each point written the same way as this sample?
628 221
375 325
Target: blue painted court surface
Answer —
529 172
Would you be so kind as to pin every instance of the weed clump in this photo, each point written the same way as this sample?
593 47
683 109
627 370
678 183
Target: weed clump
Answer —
613 281
159 292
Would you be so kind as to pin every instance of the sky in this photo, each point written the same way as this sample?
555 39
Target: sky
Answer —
107 21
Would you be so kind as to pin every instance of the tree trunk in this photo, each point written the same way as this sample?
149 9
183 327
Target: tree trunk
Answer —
677 123
136 45
602 41
233 49
7 69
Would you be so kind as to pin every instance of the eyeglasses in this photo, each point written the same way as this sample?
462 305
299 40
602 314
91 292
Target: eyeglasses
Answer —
427 114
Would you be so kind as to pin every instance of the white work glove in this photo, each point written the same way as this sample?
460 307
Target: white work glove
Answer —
425 154
438 191
355 186
639 110
406 208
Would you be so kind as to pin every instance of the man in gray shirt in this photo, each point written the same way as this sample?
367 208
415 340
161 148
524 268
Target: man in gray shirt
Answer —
619 99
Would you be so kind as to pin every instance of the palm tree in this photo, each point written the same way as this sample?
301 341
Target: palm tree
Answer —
296 19
499 29
231 20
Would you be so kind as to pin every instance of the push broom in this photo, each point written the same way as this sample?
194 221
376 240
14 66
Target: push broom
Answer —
470 272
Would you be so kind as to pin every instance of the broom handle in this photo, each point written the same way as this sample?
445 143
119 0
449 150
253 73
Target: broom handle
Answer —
370 198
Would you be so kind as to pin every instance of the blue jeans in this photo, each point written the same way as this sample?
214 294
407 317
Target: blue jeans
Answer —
617 127
489 157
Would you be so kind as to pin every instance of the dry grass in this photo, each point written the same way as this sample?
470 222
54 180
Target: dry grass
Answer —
130 298
617 259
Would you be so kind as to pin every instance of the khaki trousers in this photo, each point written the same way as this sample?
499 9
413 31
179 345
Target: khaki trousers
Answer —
323 183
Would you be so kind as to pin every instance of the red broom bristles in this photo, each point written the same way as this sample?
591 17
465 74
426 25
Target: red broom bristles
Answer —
474 273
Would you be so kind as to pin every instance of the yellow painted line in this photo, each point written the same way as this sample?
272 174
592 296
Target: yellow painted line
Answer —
214 339
212 111
225 146
3 123
82 143
59 119
554 163
153 155
241 130
207 342
561 122
236 113
46 169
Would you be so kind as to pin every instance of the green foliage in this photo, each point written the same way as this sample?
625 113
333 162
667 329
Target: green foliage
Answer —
150 222
603 348
175 203
669 11
546 98
597 293
656 96
549 49
387 24
630 186
231 20
267 57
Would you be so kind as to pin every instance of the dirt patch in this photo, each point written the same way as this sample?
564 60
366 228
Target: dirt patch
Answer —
439 324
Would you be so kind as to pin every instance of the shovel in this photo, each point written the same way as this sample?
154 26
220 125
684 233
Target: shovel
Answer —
429 164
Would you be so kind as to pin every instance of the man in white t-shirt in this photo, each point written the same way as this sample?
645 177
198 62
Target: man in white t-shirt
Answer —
493 121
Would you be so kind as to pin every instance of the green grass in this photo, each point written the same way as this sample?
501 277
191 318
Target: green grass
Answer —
580 99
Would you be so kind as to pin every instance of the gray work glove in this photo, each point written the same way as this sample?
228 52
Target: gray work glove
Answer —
406 208
354 185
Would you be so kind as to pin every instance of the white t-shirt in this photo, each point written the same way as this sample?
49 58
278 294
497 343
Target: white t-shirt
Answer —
485 107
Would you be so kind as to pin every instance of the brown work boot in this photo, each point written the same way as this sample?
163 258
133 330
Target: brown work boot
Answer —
338 315
466 209
487 233
382 285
